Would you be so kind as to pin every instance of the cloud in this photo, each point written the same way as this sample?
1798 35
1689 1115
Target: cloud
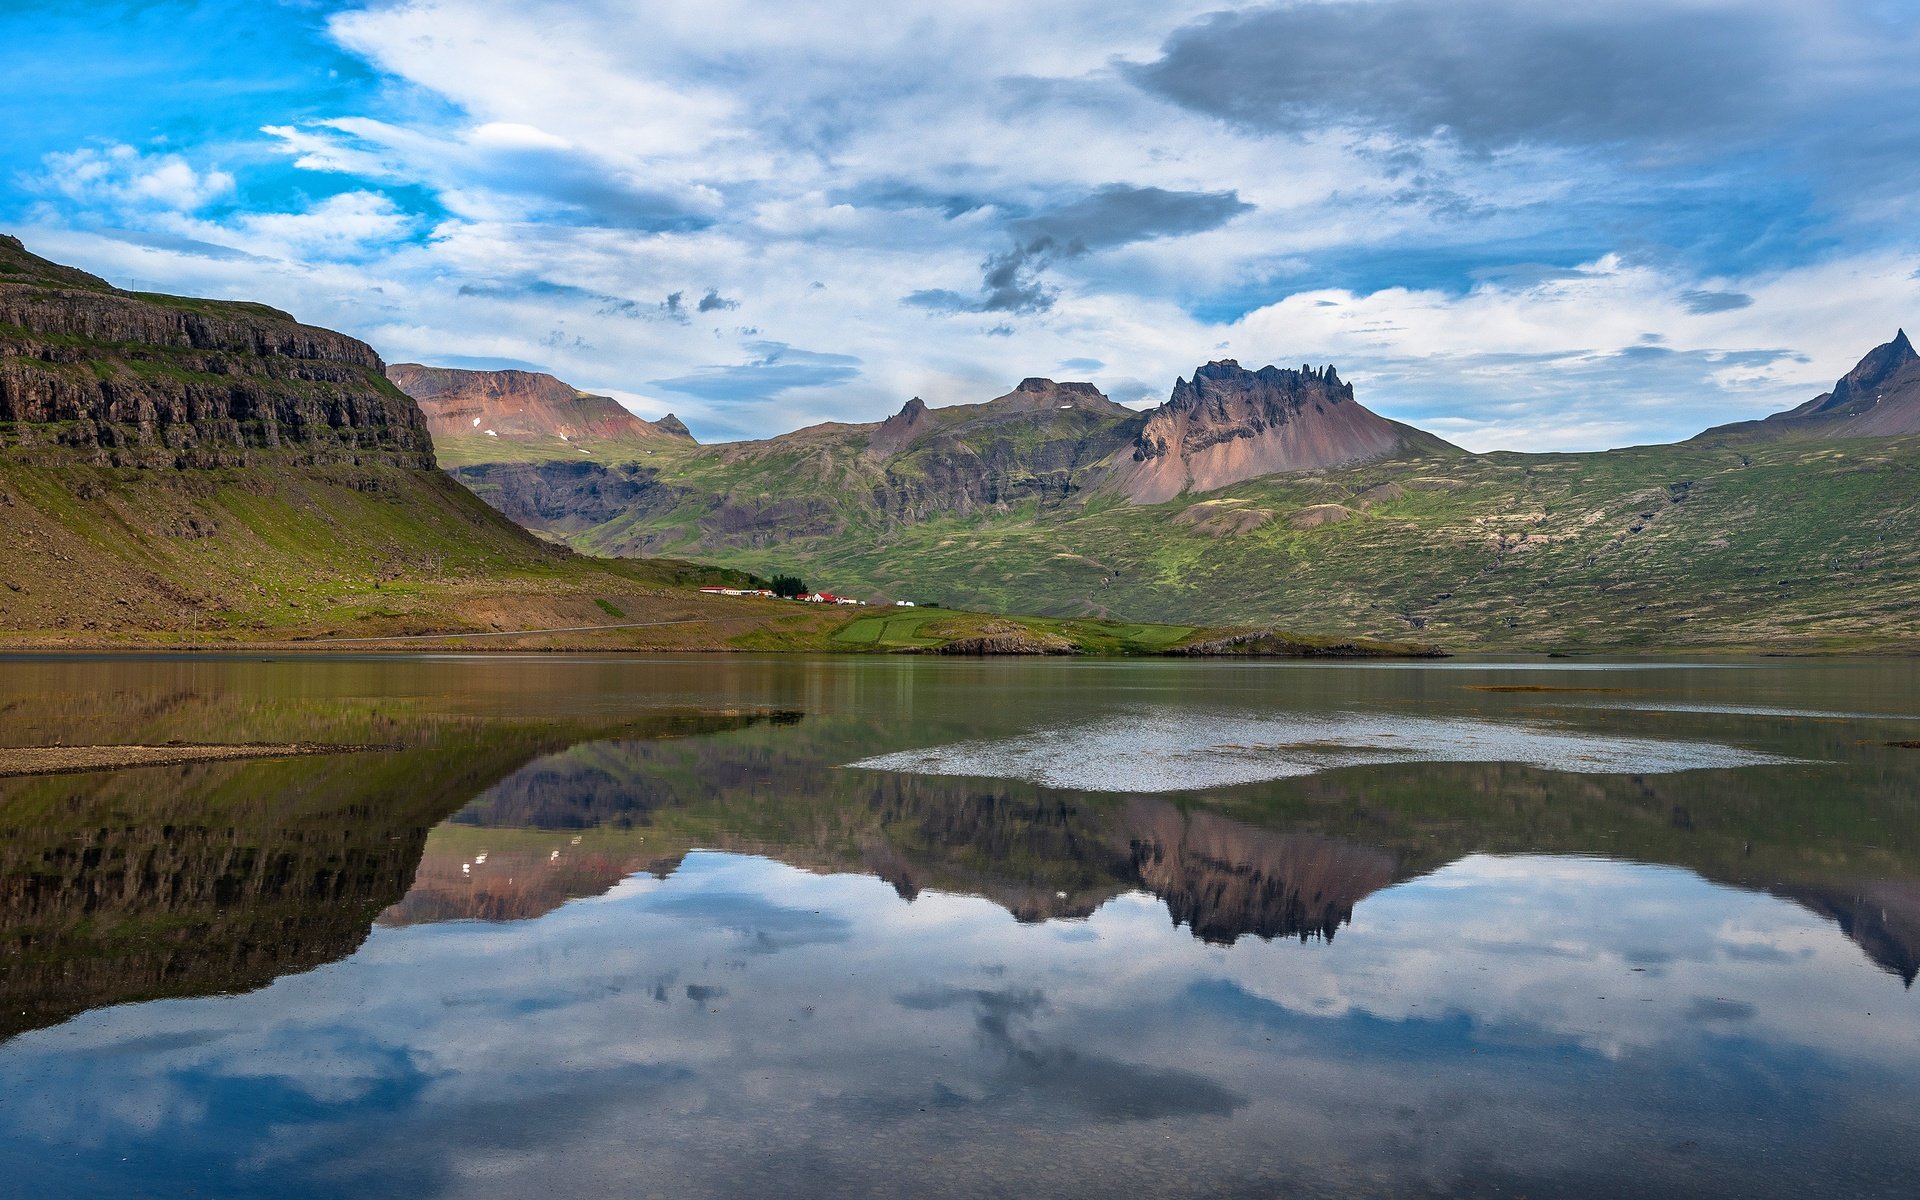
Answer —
776 368
1489 73
1715 302
497 170
1009 283
1119 214
122 177
1115 215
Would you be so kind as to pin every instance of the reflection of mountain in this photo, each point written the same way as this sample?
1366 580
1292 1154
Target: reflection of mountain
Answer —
135 885
1882 916
575 823
1222 878
508 855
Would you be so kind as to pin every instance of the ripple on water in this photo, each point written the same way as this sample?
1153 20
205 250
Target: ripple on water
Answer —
1167 750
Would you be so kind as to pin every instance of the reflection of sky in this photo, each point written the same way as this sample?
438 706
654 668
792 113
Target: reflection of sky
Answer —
1549 1024
1172 749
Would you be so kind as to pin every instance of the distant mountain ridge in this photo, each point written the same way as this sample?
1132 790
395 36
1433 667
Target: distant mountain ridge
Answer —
466 407
1880 397
1275 496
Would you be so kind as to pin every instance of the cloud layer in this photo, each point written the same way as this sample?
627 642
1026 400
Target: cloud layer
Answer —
1526 226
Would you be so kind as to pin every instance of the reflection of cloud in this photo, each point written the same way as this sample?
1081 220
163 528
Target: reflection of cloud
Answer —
1412 1052
1170 750
763 927
1106 1088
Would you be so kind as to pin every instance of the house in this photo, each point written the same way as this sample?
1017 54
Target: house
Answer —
903 604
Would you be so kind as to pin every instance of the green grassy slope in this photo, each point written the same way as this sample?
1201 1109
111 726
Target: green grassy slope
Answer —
1786 545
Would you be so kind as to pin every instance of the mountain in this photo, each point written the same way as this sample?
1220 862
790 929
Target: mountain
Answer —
1880 397
173 467
174 470
1229 424
487 415
1274 496
1055 446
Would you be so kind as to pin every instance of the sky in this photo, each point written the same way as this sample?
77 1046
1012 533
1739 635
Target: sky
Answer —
1520 225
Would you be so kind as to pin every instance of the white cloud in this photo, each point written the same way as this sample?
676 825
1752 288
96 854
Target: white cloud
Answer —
121 177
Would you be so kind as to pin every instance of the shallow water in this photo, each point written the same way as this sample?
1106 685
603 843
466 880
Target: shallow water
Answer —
713 927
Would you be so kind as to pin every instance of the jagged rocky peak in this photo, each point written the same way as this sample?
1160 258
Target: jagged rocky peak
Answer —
674 427
93 373
1880 397
521 406
1227 424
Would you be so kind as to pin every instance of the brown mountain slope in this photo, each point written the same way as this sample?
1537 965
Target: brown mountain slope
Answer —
1880 397
1229 424
525 409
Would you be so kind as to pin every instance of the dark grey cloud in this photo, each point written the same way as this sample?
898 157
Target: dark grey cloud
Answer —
1009 283
581 189
897 194
1715 302
1081 364
1119 214
713 301
176 244
1492 73
775 368
1115 215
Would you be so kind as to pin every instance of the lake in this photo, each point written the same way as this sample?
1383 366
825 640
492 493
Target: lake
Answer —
721 926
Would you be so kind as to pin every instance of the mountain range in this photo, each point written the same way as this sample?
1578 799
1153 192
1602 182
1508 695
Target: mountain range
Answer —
175 469
1276 495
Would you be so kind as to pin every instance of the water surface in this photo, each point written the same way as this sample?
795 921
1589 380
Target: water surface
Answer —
711 927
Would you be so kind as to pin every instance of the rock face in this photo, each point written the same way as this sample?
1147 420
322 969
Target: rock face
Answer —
524 406
1227 424
1880 397
90 373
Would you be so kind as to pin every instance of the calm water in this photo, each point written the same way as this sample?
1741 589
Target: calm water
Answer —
720 927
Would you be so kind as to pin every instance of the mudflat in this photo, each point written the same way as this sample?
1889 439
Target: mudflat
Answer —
62 760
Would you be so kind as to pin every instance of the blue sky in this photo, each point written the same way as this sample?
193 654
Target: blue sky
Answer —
1521 225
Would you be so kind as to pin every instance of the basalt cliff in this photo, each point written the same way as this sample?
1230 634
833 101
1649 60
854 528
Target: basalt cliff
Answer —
93 374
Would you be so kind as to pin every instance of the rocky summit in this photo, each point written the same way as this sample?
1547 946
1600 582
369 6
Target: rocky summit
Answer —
1228 424
1880 397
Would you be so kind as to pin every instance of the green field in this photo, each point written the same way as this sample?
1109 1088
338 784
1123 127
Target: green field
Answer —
1774 546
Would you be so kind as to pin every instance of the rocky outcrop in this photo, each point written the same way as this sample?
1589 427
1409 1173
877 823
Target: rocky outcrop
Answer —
1880 397
1228 424
525 406
564 497
93 374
